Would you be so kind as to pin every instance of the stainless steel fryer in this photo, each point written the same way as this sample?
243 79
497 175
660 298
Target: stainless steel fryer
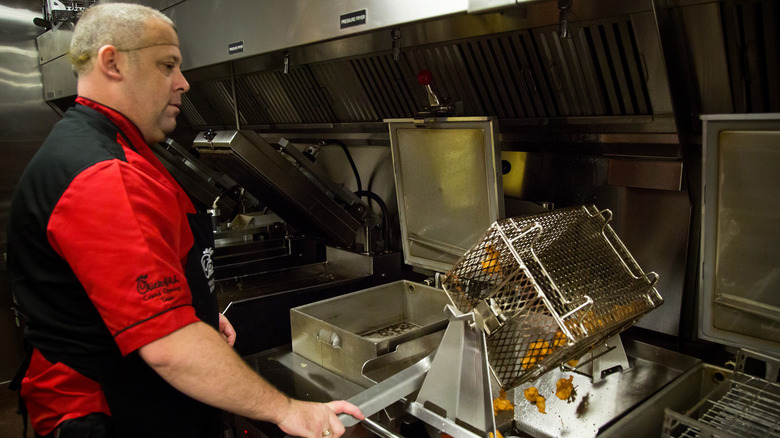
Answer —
533 293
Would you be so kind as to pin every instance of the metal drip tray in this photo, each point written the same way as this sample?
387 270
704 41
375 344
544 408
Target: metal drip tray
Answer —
341 334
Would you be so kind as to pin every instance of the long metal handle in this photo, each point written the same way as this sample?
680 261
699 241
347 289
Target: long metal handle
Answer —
378 429
388 391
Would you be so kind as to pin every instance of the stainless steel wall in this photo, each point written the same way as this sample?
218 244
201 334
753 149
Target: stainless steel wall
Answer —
25 119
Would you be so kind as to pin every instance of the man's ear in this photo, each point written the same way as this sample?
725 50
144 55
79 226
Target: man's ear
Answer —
108 62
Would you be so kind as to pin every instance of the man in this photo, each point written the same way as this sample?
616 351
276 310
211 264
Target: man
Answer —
105 258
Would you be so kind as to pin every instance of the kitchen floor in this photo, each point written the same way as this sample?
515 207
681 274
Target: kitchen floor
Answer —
10 421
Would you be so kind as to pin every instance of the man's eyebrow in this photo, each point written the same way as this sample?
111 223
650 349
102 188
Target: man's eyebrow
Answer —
174 58
145 47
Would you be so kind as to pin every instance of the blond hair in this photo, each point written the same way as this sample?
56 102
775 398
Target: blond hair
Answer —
117 24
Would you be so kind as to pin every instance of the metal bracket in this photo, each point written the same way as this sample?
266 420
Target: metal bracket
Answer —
456 397
603 360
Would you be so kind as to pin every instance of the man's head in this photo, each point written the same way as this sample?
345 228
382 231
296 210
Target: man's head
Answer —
127 57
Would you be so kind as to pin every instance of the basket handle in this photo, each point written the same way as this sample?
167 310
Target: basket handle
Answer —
587 301
619 249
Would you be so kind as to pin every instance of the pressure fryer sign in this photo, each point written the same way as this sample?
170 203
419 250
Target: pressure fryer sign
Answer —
353 19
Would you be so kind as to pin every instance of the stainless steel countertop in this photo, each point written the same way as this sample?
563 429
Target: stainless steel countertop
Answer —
597 405
594 408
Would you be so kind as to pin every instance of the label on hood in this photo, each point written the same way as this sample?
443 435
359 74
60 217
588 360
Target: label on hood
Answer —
236 47
353 19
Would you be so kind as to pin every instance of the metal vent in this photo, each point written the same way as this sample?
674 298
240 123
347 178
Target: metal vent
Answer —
519 74
344 90
209 104
753 50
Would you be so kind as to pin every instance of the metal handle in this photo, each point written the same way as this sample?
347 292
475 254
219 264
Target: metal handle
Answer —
329 338
388 391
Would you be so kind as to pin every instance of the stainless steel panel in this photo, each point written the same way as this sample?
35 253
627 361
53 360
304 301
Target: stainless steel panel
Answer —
54 44
738 300
752 44
293 24
25 120
706 50
448 183
660 175
58 79
476 6
646 420
271 178
651 63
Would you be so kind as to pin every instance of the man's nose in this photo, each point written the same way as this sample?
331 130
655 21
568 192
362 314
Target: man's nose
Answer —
182 83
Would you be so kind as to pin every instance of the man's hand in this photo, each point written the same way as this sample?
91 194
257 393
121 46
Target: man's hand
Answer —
317 420
197 361
226 330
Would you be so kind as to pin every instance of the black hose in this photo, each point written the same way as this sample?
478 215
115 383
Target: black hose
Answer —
385 217
351 161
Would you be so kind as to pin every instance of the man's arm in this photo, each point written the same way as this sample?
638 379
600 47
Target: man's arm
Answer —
197 361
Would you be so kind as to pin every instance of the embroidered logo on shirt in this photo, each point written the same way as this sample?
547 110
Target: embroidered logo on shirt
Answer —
158 288
208 267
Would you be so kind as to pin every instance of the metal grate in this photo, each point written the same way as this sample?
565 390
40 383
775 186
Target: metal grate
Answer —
547 288
744 406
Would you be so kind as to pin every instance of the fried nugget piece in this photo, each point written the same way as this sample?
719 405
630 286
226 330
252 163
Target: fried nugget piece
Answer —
564 388
559 339
532 395
501 403
536 351
540 404
491 265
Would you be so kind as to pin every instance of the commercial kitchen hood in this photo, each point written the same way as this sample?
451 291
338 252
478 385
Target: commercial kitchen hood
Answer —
629 66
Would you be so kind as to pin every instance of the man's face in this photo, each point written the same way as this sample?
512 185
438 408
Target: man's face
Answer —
154 82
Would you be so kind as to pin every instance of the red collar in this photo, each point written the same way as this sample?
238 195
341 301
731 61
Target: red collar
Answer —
119 119
131 131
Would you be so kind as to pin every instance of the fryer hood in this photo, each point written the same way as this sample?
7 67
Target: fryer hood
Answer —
628 66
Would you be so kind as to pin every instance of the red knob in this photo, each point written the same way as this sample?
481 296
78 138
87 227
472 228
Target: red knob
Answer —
424 77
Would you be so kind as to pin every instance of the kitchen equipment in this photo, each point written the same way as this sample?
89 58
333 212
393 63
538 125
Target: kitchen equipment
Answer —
343 333
448 187
264 172
742 406
449 190
549 287
530 294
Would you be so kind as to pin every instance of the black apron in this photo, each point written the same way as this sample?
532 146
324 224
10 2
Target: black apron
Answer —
142 403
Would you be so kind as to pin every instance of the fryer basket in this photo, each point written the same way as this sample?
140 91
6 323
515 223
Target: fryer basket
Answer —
546 288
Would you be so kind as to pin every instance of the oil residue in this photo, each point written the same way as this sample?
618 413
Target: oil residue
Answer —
582 408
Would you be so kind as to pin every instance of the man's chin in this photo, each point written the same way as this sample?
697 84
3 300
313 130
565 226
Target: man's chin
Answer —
157 136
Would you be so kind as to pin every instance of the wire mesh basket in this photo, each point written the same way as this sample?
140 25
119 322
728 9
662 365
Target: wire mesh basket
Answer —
548 287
